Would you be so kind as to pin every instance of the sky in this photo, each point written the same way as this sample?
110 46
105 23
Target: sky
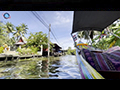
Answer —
61 24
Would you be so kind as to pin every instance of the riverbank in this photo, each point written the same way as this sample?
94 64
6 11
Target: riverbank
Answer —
5 57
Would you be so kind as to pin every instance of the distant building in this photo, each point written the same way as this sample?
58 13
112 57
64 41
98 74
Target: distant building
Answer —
56 48
21 41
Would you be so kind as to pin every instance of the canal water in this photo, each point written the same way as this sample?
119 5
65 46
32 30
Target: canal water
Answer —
63 67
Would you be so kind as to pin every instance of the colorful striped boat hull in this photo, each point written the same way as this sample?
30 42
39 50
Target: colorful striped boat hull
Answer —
87 72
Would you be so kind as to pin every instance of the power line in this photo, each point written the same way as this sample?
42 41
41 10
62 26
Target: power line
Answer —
55 38
43 22
48 23
29 14
53 31
39 19
42 19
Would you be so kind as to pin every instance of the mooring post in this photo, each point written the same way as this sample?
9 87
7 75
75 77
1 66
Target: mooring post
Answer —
12 57
6 58
18 58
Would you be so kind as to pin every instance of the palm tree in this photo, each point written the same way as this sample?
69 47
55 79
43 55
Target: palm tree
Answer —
3 34
24 29
11 41
9 28
20 30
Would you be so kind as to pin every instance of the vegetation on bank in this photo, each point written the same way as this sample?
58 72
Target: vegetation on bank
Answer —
27 51
1 49
16 31
38 39
103 40
71 51
34 41
108 40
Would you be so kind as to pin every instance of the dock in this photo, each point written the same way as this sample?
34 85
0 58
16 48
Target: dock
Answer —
4 57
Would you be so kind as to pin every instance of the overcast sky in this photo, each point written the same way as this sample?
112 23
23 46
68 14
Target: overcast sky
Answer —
61 24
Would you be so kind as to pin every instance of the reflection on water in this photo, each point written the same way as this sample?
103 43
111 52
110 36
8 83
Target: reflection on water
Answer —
64 67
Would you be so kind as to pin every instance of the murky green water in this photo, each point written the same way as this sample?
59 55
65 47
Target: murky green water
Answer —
63 67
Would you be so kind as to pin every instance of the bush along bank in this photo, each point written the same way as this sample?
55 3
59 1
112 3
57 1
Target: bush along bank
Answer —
27 51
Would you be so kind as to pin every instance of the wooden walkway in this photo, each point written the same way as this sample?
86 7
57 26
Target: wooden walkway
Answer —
4 57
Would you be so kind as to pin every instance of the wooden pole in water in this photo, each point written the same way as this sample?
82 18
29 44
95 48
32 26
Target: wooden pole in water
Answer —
49 40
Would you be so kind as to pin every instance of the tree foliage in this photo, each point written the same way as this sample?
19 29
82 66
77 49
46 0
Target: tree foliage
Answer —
20 31
1 49
85 34
106 41
28 51
6 29
71 51
109 40
37 39
9 28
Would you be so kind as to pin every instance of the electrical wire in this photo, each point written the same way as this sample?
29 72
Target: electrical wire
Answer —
51 26
39 19
55 37
43 22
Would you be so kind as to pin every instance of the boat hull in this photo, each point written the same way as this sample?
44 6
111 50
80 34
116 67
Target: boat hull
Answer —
87 71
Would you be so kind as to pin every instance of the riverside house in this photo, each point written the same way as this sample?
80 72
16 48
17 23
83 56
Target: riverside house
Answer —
21 41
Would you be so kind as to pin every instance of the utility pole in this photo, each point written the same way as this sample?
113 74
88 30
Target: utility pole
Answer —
49 40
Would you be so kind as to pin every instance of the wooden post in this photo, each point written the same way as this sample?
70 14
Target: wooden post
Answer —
41 52
18 58
49 40
12 58
6 57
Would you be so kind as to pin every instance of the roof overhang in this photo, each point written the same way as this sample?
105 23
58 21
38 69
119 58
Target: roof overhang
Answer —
93 20
20 43
56 45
